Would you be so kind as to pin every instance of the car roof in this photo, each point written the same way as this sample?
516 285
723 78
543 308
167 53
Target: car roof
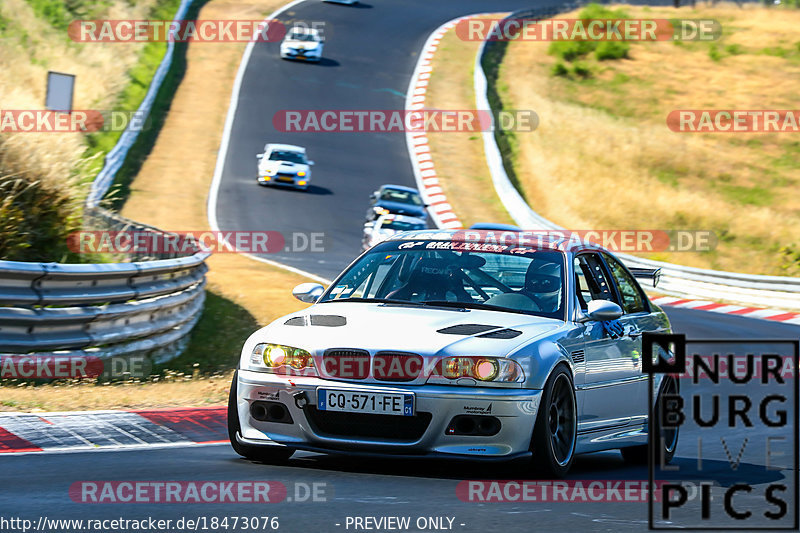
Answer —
400 188
535 240
285 147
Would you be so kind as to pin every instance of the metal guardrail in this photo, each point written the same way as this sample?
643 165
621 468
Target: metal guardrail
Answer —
676 280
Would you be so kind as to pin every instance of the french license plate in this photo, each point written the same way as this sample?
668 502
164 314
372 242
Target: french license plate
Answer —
284 180
382 403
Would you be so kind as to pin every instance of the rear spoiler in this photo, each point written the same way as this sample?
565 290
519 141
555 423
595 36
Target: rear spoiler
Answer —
647 273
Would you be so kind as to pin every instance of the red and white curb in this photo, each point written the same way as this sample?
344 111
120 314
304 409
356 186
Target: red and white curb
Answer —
418 149
111 430
775 315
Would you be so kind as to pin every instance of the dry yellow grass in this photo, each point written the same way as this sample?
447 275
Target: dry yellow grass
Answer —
29 47
459 159
170 192
180 392
603 157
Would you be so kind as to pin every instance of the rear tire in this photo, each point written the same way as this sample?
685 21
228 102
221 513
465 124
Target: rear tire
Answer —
667 438
265 454
555 432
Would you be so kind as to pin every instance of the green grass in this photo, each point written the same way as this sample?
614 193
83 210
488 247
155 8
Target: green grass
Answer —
59 13
747 195
213 348
506 140
151 58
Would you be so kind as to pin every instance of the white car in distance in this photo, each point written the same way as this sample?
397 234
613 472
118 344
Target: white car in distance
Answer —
284 164
302 43
385 226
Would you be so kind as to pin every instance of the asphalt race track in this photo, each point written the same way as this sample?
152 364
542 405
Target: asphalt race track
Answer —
369 56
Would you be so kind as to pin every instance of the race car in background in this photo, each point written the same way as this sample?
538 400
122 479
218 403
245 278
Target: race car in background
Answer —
302 43
428 345
387 225
284 164
396 199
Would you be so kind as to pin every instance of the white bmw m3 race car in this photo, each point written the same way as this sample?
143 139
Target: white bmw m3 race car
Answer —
429 345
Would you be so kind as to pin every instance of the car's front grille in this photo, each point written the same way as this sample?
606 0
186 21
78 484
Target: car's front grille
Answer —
346 364
396 366
368 426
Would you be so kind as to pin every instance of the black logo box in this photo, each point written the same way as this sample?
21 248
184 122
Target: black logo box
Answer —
676 345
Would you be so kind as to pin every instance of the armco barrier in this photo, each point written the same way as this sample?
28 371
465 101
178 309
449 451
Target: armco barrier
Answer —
687 282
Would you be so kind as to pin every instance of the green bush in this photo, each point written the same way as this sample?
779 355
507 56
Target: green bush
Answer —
714 53
734 49
612 50
36 216
582 70
571 50
559 69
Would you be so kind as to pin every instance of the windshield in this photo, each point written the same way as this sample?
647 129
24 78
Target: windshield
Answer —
300 36
291 157
401 197
401 225
520 280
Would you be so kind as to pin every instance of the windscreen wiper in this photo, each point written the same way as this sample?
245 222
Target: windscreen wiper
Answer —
471 305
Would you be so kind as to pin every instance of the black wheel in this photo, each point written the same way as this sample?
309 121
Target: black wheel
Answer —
555 432
667 437
264 454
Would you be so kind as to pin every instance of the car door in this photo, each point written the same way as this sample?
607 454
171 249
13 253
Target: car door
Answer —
611 387
638 317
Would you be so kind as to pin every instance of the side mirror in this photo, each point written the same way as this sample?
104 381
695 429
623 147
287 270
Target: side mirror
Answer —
260 156
602 310
308 292
310 163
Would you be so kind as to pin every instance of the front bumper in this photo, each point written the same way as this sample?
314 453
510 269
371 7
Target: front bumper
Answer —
436 406
291 54
273 180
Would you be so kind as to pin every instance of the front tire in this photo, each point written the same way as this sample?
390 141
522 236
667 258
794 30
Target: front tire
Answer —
264 454
667 438
556 429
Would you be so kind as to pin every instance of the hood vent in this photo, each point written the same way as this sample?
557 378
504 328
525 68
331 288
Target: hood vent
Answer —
505 333
577 356
467 329
330 321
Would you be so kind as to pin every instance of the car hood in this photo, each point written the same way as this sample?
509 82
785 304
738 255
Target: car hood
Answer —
302 45
283 166
374 327
402 209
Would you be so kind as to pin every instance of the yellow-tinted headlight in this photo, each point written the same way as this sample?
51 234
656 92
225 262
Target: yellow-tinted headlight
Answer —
279 355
